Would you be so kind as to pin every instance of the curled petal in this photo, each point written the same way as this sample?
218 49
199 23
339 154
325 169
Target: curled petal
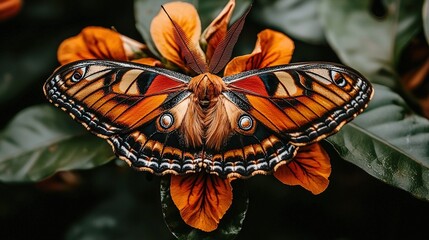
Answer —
165 36
133 49
272 48
202 199
92 43
9 8
217 29
310 169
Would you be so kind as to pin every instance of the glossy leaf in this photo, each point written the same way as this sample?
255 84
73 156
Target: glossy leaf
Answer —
369 43
299 19
229 227
389 142
145 10
42 140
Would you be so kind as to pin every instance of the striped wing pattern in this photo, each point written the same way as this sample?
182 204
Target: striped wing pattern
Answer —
291 106
303 103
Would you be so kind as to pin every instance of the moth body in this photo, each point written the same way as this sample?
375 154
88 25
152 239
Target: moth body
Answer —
206 118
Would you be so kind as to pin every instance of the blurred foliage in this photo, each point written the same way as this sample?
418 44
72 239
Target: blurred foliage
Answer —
389 141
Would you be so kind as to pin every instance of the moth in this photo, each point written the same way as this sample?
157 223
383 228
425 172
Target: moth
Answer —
164 122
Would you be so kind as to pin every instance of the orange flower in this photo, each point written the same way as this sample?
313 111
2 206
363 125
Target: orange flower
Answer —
201 198
103 43
9 8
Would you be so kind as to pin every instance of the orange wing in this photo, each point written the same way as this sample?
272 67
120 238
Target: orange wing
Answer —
112 97
301 103
275 110
137 108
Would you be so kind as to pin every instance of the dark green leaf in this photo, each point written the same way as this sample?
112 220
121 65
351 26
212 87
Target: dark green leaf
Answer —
146 10
42 140
369 43
229 226
298 18
389 142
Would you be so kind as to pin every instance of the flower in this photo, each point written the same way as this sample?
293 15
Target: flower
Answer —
9 8
201 198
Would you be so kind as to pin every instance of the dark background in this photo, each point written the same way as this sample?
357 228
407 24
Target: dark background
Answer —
355 205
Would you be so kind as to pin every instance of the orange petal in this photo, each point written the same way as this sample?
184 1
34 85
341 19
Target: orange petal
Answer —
148 61
9 8
310 168
133 49
164 34
92 43
202 199
100 43
217 29
272 48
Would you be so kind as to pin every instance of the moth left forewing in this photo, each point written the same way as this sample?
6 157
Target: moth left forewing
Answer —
139 109
108 97
303 103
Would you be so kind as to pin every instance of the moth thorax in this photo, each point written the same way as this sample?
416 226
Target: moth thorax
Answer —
206 88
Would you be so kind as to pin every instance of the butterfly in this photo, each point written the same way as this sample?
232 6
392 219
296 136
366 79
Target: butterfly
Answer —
164 122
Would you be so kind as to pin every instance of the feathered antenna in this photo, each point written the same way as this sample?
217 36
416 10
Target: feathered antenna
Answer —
223 51
192 57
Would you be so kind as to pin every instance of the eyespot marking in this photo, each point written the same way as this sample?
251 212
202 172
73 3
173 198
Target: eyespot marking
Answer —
166 120
78 74
245 122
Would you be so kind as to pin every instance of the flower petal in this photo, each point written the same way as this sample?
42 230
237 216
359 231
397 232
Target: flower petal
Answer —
272 48
133 49
202 199
9 8
217 29
92 43
149 61
164 34
310 169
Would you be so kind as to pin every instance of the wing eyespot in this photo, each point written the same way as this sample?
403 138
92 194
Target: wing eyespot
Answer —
78 74
338 79
245 122
341 82
166 120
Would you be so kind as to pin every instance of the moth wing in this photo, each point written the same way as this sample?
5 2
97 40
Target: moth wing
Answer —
302 103
275 110
111 97
137 108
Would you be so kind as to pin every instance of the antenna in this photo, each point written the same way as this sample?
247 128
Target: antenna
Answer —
192 57
223 51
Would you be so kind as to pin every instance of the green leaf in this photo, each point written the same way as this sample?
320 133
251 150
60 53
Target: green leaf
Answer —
371 45
425 15
146 10
229 227
41 140
298 18
389 142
